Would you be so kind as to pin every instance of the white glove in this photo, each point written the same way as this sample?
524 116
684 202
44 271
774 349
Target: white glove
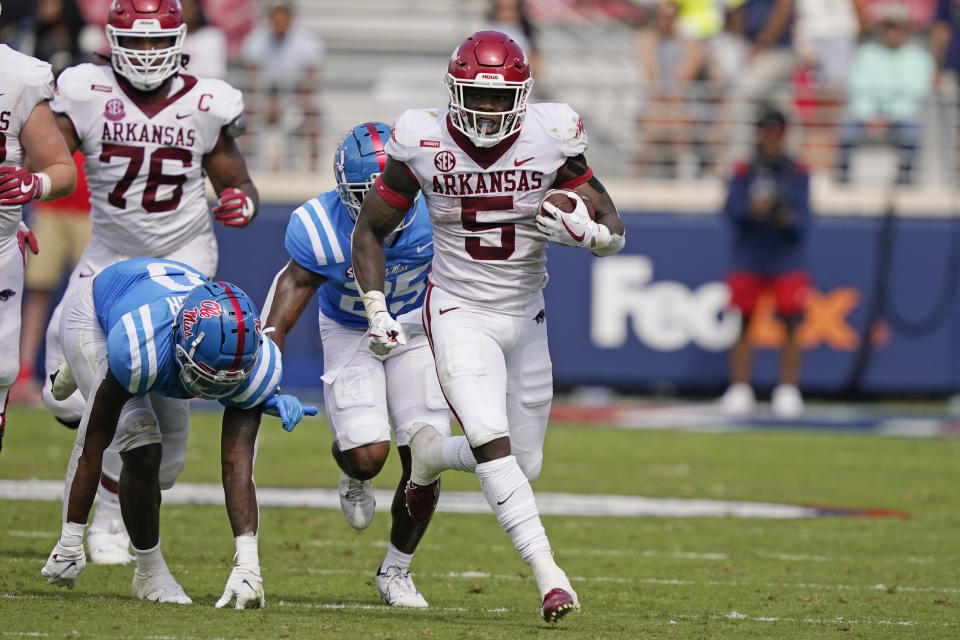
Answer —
64 565
573 229
384 331
246 584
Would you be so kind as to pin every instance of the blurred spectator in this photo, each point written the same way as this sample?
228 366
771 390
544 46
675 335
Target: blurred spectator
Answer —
889 82
825 39
55 37
62 228
512 18
767 26
768 206
205 43
671 60
945 39
284 61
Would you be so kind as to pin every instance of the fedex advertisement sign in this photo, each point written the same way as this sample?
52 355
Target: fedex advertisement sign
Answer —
657 315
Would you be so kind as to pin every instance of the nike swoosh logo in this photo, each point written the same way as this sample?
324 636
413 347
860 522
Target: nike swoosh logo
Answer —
85 275
26 187
424 247
500 502
572 234
517 163
181 116
443 311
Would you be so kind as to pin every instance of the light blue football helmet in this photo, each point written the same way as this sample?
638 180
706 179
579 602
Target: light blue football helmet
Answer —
359 159
217 338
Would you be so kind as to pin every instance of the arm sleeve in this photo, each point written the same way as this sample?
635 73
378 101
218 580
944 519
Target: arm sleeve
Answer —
735 206
131 356
264 380
308 239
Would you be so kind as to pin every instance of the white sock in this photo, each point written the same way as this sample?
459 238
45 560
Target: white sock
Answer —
458 455
151 561
548 575
395 558
509 494
108 509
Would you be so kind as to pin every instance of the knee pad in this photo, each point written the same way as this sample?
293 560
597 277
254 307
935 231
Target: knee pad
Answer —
172 460
536 386
137 426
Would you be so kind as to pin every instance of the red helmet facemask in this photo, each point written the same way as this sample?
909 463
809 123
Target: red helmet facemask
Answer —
488 60
146 69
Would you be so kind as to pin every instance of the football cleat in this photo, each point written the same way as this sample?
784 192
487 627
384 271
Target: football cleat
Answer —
356 501
557 604
421 500
110 545
397 589
158 587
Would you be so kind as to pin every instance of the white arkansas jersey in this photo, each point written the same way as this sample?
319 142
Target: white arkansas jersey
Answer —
144 160
483 202
25 82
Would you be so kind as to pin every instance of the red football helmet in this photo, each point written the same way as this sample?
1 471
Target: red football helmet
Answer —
145 69
491 60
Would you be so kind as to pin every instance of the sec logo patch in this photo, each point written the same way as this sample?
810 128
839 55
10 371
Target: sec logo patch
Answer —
444 161
113 110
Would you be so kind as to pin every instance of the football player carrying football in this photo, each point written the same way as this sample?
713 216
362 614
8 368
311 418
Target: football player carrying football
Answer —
149 134
28 138
365 393
142 338
483 166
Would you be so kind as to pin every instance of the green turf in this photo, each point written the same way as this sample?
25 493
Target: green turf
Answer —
637 577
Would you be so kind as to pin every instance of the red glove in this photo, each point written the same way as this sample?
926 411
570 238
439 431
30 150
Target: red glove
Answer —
234 209
25 239
18 186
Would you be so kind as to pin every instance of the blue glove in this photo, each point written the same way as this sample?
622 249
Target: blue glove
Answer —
288 409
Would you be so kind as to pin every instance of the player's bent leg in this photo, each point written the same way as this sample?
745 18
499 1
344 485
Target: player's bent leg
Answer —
509 494
140 503
68 410
394 580
11 293
356 410
357 467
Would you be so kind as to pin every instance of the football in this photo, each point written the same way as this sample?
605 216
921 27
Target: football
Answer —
561 199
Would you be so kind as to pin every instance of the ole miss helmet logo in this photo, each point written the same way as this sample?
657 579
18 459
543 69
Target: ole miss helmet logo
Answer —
207 309
444 161
114 110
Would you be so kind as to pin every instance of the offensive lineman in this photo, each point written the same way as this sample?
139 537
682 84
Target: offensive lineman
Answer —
483 166
365 393
28 138
142 338
149 135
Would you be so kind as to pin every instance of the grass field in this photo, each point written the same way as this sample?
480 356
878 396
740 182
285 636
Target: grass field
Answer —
637 577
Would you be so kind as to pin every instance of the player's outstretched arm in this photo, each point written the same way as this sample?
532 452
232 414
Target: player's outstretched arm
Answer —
238 200
67 559
48 163
384 208
237 441
292 289
609 238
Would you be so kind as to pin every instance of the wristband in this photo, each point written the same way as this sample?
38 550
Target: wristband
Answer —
45 185
247 554
71 534
374 302
605 243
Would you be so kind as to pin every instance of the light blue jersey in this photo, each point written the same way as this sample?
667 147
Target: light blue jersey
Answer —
318 239
136 303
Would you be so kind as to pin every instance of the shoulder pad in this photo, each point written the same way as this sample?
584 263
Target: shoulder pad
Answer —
561 122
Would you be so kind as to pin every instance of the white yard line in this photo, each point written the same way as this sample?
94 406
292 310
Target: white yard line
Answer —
559 504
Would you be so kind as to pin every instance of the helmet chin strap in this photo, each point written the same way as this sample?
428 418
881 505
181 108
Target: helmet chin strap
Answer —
195 344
